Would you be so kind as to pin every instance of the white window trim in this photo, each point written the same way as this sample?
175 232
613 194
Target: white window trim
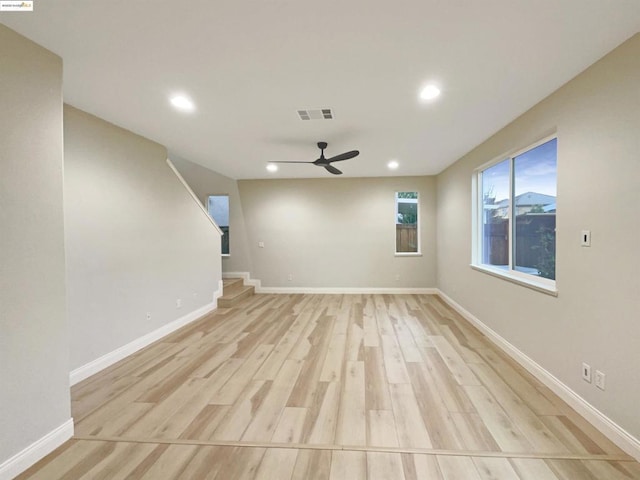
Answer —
540 284
418 226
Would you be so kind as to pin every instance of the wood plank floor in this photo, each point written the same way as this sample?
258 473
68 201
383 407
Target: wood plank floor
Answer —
327 387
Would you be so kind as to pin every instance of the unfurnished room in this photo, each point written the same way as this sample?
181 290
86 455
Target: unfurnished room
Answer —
298 240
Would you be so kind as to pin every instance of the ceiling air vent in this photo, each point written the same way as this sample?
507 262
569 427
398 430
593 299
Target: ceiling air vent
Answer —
315 114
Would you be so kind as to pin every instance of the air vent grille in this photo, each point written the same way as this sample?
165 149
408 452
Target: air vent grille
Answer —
315 114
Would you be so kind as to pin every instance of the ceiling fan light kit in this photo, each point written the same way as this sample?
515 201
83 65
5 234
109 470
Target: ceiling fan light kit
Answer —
326 162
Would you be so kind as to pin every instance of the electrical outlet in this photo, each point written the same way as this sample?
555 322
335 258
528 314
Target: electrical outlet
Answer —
600 377
397 277
179 303
148 315
290 277
260 244
586 372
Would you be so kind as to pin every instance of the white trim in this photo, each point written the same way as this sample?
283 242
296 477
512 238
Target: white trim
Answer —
513 214
539 284
218 293
537 143
477 221
194 196
348 290
514 152
418 253
39 449
599 420
246 278
130 348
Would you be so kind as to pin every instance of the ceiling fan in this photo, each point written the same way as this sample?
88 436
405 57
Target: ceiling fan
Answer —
326 162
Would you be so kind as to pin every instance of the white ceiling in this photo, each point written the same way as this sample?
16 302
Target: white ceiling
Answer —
249 65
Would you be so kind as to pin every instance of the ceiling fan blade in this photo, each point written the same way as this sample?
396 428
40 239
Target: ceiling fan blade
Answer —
344 156
276 161
333 170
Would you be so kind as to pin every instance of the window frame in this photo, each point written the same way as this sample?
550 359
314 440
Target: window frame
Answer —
418 252
541 284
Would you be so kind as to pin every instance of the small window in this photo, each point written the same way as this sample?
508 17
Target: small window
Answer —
517 214
407 237
218 207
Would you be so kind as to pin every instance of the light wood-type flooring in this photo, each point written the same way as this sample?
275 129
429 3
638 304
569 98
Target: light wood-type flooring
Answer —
327 387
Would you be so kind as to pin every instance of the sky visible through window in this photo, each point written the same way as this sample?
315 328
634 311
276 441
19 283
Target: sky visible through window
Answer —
536 171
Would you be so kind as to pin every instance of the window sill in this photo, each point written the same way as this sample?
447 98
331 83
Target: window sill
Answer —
531 283
408 254
225 255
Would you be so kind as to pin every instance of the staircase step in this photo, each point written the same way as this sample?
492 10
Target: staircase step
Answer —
231 284
236 296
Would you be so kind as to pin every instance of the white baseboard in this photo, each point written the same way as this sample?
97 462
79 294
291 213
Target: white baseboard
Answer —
36 451
599 420
246 277
347 290
218 293
130 348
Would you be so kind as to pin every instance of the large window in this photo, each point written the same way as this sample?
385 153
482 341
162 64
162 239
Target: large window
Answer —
517 215
407 232
218 207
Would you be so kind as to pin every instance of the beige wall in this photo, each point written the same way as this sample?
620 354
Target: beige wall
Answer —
336 232
205 182
595 316
136 241
34 353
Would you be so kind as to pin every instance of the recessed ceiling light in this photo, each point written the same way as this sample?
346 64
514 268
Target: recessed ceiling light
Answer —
272 167
429 92
393 165
183 103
